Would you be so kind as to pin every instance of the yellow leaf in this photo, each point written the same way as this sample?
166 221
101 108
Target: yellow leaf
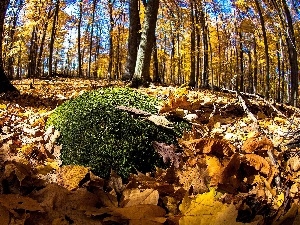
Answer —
280 199
3 106
205 209
72 175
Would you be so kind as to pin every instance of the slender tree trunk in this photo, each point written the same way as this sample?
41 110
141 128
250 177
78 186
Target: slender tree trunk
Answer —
52 39
111 43
32 54
80 74
198 48
156 77
141 72
192 81
263 28
5 85
205 82
255 67
91 37
250 72
241 56
10 63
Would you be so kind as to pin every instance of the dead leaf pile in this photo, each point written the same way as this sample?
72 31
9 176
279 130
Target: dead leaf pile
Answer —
229 169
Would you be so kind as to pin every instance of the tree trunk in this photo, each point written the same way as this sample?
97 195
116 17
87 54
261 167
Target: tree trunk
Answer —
11 60
192 81
79 40
111 43
141 72
91 37
241 55
263 28
133 39
52 39
293 58
255 67
156 77
205 47
5 85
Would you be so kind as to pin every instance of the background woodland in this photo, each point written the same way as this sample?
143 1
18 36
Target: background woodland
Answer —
247 45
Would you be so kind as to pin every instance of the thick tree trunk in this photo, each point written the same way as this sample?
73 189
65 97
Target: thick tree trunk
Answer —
133 39
293 58
5 85
141 72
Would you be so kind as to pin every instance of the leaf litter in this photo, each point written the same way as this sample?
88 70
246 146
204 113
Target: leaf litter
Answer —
238 165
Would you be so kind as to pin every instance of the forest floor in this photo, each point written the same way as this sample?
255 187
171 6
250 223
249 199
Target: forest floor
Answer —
239 165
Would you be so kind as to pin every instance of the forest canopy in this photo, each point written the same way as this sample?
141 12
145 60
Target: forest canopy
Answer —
247 45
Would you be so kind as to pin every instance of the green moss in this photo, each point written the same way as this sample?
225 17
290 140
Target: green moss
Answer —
96 134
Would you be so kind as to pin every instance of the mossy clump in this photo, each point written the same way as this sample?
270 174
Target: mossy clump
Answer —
94 133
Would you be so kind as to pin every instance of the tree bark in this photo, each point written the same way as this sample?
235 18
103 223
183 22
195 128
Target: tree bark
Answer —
91 37
192 81
263 28
293 58
133 39
111 43
141 72
79 40
52 39
5 85
205 47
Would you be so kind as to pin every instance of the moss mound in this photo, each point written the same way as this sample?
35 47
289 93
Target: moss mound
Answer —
96 134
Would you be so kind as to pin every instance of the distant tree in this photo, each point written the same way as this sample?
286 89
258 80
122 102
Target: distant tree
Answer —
80 73
266 48
53 33
141 73
5 85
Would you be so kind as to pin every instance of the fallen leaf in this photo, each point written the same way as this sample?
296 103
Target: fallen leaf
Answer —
167 152
15 201
71 175
135 197
205 209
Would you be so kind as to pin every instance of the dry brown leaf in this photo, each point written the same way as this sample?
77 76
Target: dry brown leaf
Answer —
231 168
135 197
115 182
195 177
215 170
259 163
167 152
219 148
15 201
21 169
294 163
138 214
71 175
107 199
58 202
257 144
4 216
